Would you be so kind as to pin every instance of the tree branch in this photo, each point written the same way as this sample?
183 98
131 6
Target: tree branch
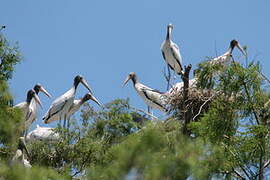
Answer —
187 114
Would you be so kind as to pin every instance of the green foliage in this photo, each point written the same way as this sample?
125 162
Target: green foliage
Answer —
229 140
10 119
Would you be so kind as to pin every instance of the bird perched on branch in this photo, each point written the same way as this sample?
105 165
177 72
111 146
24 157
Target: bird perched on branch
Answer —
32 113
61 106
226 57
77 103
153 98
27 107
171 53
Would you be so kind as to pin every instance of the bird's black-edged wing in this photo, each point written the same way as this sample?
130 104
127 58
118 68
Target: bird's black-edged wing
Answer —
153 95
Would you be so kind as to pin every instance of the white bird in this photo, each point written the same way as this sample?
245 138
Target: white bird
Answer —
226 57
178 87
61 105
153 98
43 134
32 113
77 103
26 107
171 53
19 155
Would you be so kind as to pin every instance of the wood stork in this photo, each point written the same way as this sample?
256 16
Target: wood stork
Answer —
26 106
226 57
19 155
153 98
180 85
32 113
43 134
171 54
61 105
77 103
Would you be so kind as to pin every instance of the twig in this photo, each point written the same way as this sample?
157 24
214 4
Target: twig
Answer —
238 174
265 77
202 106
249 97
139 110
168 78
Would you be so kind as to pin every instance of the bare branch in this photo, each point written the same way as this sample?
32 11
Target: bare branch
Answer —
209 99
139 110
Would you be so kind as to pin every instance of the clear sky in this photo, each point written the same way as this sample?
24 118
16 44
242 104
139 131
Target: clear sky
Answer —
105 40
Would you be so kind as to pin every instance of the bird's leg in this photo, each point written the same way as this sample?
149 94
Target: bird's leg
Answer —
25 133
150 111
168 77
60 121
64 125
68 123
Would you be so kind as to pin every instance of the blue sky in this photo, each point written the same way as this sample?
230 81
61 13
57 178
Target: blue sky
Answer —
105 40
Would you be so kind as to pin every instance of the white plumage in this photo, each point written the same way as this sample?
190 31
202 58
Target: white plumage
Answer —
60 107
19 154
33 107
28 106
171 52
176 88
77 103
43 134
153 98
226 57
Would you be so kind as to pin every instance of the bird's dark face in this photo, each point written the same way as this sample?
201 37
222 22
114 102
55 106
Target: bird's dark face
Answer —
39 88
79 79
89 96
131 76
233 43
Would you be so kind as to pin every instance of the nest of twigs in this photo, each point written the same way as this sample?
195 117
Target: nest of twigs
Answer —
195 104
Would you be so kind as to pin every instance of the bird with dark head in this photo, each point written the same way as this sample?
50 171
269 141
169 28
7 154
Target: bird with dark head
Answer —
131 76
32 94
153 98
59 110
38 88
79 79
234 44
89 96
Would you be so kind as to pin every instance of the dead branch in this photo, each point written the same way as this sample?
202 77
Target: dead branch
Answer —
187 114
142 111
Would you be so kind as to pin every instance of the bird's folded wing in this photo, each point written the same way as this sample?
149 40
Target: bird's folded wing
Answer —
154 95
176 54
57 106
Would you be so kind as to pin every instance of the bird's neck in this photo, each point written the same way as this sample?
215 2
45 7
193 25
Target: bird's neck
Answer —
28 100
230 50
83 100
36 90
75 85
169 34
134 80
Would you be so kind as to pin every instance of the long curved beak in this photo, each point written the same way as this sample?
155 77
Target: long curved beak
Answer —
127 79
45 92
95 100
83 81
38 100
241 49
